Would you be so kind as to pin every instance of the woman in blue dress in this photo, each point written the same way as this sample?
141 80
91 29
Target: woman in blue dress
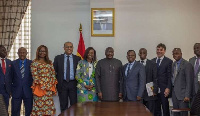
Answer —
85 75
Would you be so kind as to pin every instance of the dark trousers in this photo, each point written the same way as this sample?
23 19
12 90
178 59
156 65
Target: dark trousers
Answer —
6 99
150 104
179 104
162 101
16 105
69 92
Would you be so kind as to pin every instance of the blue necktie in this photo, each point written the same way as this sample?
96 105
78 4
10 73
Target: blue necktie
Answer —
68 70
129 66
158 62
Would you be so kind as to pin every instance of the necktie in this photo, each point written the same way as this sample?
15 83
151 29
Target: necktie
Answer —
142 62
68 70
158 62
129 66
3 66
175 69
22 69
196 66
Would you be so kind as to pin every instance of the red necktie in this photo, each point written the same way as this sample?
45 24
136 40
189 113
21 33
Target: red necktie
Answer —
3 66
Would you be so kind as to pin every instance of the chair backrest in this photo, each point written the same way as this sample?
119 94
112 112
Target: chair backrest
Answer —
3 110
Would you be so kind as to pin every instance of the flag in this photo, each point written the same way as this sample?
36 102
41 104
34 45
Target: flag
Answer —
81 45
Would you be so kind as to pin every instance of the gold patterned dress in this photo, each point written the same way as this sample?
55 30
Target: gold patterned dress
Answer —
44 87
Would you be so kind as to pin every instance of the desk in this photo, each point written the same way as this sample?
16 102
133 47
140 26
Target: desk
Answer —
107 109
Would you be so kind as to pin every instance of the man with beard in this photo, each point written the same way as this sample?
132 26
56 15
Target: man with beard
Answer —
108 77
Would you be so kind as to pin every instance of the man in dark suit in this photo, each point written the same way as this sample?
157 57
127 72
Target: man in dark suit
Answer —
182 82
151 81
195 61
134 78
164 66
65 68
21 84
5 75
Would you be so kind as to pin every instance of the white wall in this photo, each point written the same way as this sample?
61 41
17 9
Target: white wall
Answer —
138 23
55 22
145 23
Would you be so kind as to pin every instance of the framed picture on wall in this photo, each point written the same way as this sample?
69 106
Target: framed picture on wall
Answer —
103 22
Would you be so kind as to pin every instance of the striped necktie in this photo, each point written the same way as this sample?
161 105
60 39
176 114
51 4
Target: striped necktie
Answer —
22 69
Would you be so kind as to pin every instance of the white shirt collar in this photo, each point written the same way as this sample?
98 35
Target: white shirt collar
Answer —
161 58
145 60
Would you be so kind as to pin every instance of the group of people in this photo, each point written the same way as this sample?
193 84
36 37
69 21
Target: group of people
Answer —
150 82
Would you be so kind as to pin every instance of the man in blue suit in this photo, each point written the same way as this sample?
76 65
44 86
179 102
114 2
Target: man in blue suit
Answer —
5 75
134 78
164 69
21 84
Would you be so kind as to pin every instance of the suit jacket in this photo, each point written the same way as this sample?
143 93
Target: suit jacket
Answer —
59 68
183 81
151 76
164 73
134 83
20 84
196 83
7 77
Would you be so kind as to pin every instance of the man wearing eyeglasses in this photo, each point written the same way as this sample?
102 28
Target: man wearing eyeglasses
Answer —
65 68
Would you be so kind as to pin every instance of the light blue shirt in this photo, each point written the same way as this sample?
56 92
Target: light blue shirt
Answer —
131 65
71 67
178 64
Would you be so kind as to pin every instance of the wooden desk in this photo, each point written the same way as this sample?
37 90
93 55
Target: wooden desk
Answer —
107 109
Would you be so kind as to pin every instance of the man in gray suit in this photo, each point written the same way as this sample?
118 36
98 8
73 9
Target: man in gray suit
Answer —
195 61
134 78
182 81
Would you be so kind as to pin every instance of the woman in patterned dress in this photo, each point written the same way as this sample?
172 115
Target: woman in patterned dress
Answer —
44 83
85 75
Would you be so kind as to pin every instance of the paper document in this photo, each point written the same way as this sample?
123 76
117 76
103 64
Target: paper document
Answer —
149 87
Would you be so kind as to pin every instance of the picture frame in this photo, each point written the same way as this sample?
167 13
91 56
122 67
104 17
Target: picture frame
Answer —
103 22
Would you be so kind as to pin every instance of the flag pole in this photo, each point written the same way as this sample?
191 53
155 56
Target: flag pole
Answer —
81 45
80 29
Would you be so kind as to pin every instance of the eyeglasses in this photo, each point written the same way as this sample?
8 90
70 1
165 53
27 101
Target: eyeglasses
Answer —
68 46
42 51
